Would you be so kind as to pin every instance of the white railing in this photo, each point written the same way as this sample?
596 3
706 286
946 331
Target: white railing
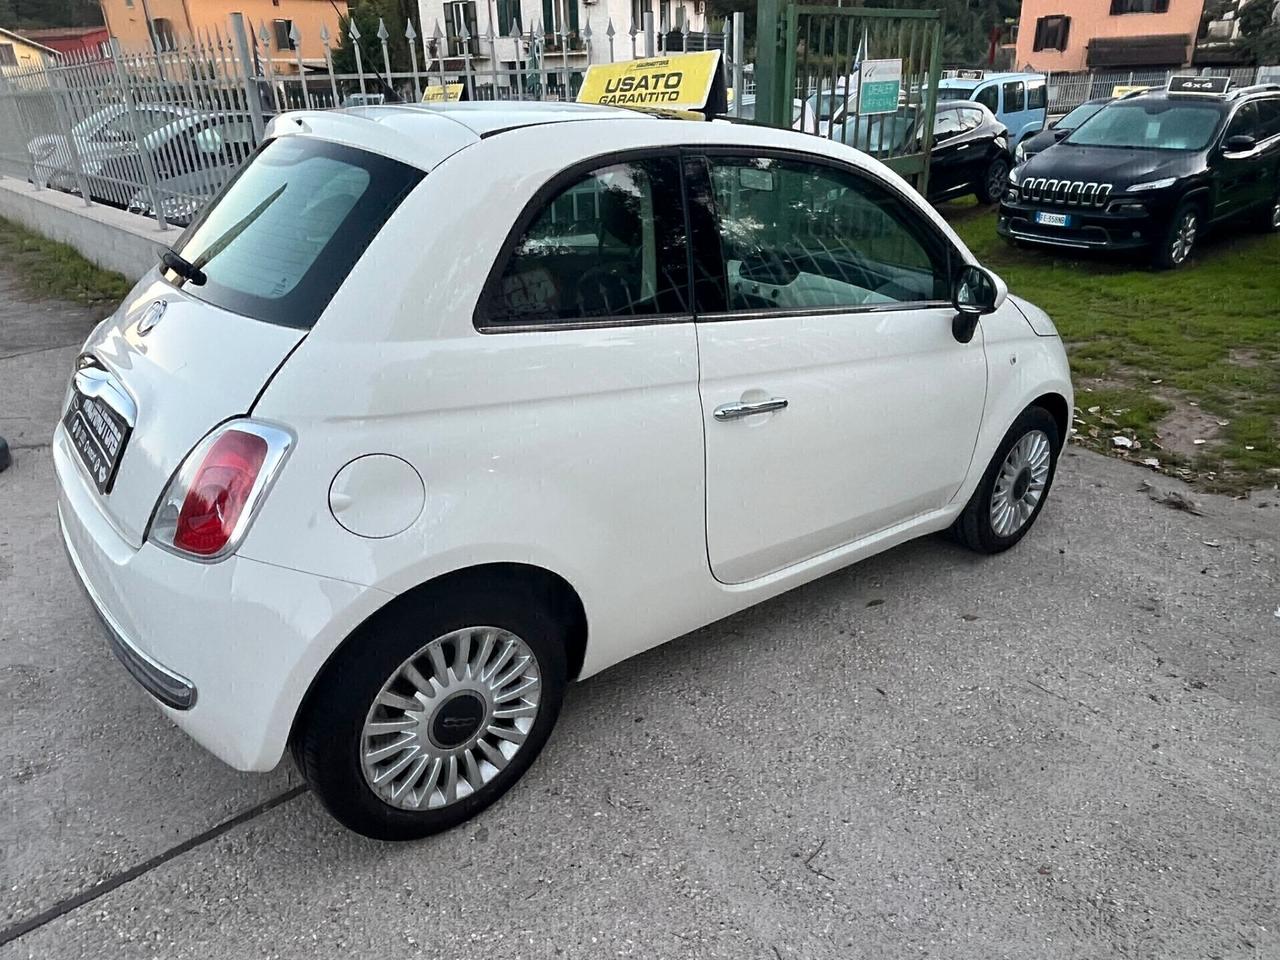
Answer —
1068 90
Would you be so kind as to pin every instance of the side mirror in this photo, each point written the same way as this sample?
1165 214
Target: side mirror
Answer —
1059 133
976 291
1240 143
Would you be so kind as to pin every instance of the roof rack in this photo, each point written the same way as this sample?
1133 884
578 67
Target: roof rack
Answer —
1256 88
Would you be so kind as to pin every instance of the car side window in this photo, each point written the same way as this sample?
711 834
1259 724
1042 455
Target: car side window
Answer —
796 235
1269 117
1015 98
946 125
1037 95
970 120
603 246
989 97
1245 121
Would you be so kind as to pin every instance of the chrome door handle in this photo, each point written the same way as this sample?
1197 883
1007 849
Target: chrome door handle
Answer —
735 411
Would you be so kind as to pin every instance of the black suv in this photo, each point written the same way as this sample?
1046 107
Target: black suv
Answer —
1151 172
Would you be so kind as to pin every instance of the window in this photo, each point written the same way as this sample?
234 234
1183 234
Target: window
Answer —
1150 125
1245 122
508 17
460 18
989 97
1269 114
605 246
1139 6
559 16
970 120
281 30
1037 95
281 238
120 128
1051 33
1015 97
7 57
162 29
946 124
796 235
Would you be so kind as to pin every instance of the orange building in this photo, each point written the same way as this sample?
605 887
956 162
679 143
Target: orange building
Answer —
142 23
1072 35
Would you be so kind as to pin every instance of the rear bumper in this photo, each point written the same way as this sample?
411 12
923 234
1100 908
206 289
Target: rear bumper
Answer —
228 649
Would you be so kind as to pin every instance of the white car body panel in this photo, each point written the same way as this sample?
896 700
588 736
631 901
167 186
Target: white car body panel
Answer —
578 451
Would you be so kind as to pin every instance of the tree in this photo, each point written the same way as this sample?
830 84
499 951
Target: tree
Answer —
366 14
34 14
1259 31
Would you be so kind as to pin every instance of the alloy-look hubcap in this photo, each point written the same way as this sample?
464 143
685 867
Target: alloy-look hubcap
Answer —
1184 239
1275 216
1020 483
996 179
450 718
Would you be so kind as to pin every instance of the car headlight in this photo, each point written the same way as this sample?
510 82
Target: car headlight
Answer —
1153 185
1020 153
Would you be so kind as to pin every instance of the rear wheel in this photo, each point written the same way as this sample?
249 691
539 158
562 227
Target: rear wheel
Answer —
1014 488
1180 237
993 182
1269 219
433 711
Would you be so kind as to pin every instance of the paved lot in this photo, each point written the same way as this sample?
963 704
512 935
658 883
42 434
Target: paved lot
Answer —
1066 751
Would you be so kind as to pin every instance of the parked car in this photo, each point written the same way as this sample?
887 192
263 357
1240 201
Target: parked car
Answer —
376 493
1151 172
1039 142
802 117
192 153
193 158
970 147
1019 100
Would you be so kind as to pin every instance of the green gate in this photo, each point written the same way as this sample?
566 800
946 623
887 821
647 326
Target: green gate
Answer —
814 54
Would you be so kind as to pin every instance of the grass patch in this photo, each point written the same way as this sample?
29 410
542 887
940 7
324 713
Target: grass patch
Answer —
1208 332
45 268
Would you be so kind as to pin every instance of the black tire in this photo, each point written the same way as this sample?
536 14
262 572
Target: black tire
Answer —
973 527
326 739
993 182
1168 254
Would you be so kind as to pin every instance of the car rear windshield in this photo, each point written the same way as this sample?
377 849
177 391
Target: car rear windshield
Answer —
1154 125
956 91
280 240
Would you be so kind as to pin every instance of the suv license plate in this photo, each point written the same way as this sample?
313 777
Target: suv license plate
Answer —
1053 219
98 433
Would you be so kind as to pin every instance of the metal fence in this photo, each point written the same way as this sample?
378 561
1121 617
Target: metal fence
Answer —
1068 90
160 131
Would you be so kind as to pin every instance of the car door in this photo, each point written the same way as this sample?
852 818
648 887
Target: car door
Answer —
974 147
947 160
1013 107
836 403
1241 175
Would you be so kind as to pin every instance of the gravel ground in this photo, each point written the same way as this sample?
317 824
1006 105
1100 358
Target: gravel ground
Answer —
1065 751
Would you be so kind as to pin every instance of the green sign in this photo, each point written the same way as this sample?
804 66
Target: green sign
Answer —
880 83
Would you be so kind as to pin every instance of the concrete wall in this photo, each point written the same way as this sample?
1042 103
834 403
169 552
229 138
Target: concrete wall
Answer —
105 236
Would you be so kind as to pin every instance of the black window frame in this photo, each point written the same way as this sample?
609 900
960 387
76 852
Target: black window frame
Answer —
1020 88
1052 31
1120 8
703 253
481 317
916 223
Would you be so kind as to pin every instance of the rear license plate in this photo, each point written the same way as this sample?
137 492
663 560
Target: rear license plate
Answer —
1053 219
99 434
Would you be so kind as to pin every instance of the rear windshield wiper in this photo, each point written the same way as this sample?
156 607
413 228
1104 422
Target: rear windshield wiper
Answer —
183 268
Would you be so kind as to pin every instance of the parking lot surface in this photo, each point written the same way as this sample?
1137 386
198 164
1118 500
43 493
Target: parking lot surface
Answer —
1064 751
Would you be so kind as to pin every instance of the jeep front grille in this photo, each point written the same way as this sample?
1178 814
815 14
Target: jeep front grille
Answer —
1075 193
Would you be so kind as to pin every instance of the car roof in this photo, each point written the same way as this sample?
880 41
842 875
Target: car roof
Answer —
487 117
1221 101
957 81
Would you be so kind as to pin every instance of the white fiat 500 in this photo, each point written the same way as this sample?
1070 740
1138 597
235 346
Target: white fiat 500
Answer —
436 409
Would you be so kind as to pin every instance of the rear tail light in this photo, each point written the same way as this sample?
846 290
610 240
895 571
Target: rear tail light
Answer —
212 499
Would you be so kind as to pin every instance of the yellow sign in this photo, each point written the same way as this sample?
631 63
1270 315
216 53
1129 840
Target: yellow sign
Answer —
439 94
1123 90
682 81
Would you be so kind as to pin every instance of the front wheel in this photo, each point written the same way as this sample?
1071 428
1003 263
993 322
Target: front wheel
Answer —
1014 488
433 710
1179 238
1269 219
993 182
